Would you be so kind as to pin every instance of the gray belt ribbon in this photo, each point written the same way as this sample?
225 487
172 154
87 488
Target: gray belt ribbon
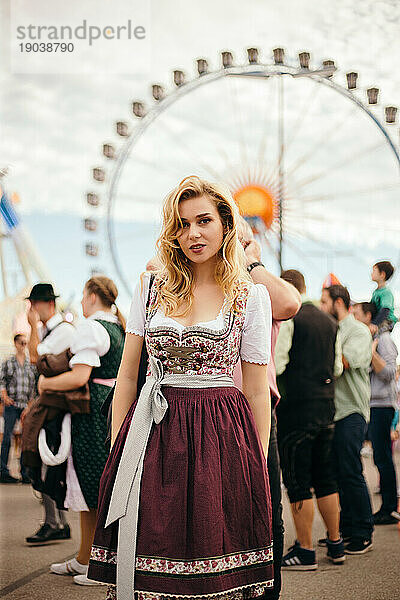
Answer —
124 505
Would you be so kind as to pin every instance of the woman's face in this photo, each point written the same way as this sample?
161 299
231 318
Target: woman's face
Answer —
201 234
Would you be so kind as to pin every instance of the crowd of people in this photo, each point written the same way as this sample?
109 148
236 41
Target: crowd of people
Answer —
170 433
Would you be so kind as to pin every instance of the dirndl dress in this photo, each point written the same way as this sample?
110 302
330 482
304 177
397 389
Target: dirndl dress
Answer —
204 509
89 431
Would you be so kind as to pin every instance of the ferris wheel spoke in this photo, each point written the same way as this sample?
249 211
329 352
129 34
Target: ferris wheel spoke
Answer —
303 114
319 244
329 134
298 251
237 116
359 192
281 161
265 126
164 167
302 235
210 130
266 178
139 199
273 250
230 170
358 222
343 161
169 168
187 150
353 252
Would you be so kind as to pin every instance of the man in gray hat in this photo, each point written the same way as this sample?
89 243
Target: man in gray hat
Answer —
55 336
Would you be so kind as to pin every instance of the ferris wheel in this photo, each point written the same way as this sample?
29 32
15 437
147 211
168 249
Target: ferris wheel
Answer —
309 155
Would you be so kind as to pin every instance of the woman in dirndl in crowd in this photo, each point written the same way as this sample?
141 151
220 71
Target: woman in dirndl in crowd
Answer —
184 508
97 352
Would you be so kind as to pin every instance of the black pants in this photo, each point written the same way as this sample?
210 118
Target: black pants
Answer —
305 453
379 431
276 501
356 519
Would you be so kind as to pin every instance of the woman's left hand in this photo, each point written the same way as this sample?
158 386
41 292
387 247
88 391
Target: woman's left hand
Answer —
42 384
252 252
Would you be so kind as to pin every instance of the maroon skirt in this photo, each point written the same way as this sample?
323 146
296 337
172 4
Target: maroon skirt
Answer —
204 526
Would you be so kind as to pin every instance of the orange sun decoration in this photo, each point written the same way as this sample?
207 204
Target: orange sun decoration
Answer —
256 201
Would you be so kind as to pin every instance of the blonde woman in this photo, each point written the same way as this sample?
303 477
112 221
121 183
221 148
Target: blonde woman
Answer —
185 505
97 351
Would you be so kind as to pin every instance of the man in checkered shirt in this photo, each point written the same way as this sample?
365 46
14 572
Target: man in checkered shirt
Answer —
17 387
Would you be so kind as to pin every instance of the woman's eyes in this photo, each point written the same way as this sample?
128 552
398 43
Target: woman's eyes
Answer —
204 221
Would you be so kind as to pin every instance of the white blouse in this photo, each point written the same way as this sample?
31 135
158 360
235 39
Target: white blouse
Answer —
91 340
60 337
256 337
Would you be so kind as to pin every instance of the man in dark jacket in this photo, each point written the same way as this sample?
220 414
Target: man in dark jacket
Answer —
308 358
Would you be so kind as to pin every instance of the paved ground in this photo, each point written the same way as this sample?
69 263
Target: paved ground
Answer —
372 576
25 575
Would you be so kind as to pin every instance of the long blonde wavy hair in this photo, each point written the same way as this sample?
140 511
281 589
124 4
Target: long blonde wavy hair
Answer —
175 278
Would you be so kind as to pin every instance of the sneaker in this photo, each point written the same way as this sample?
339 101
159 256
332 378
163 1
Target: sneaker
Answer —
382 518
395 514
7 478
84 580
45 534
299 559
358 547
336 551
323 542
70 567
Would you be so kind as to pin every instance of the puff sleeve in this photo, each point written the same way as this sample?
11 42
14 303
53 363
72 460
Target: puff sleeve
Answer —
256 337
91 341
137 314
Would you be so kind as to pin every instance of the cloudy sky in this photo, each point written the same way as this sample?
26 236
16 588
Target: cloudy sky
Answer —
53 127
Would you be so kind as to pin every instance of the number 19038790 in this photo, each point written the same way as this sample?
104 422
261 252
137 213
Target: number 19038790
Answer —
46 47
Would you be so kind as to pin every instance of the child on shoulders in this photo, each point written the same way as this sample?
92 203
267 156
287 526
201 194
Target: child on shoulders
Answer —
382 297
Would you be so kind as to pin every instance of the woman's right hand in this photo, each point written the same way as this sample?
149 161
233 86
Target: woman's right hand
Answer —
23 415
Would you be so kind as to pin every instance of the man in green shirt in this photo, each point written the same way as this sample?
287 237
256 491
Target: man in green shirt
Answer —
352 396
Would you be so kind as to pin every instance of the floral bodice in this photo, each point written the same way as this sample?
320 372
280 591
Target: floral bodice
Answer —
211 348
197 349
